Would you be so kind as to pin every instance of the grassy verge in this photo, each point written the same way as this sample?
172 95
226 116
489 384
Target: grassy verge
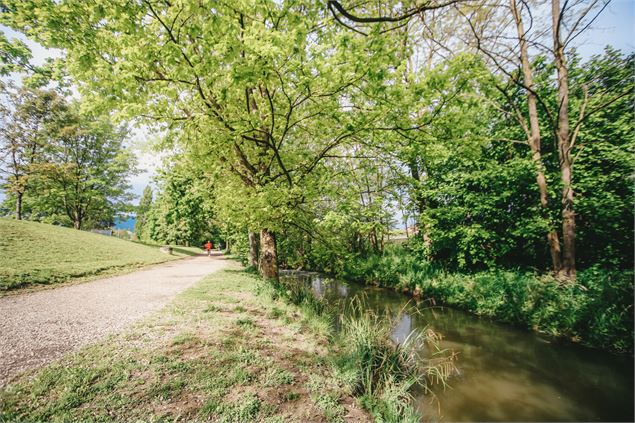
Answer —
34 254
219 352
364 358
597 310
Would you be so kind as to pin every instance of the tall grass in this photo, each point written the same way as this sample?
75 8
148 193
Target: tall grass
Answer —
383 373
597 310
299 295
380 372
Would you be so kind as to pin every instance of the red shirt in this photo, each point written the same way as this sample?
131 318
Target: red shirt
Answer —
208 246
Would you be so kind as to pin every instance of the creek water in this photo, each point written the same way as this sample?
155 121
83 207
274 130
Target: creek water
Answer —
504 373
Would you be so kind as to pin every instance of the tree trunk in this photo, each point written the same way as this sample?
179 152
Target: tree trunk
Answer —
534 138
418 198
253 249
77 224
268 255
568 269
18 205
420 202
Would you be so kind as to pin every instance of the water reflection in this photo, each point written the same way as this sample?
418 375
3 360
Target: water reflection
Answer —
506 374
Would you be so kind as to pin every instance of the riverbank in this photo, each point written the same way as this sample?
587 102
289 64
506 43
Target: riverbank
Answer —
596 311
220 351
504 373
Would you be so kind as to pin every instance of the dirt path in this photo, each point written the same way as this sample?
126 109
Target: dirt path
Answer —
36 328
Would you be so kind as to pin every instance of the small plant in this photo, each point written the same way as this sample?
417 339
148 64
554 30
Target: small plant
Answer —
184 338
297 294
245 322
212 308
275 313
245 409
276 376
291 396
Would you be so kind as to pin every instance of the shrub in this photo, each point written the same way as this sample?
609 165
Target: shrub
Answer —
597 310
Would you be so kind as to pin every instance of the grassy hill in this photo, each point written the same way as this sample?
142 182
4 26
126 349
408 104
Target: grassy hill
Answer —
35 253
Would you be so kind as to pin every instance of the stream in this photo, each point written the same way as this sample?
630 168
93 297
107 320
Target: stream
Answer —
505 373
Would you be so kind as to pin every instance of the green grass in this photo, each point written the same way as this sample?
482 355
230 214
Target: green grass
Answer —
201 358
365 360
597 310
34 253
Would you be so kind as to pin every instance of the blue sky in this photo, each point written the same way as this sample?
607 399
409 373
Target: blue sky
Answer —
615 26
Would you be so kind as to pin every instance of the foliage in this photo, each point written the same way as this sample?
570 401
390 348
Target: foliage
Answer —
84 176
182 211
36 253
605 164
597 311
479 197
15 59
274 80
27 120
14 55
142 210
60 165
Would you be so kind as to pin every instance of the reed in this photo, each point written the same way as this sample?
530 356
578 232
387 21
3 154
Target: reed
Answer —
383 372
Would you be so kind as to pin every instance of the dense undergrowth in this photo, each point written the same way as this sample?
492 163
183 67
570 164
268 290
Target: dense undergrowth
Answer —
378 371
597 310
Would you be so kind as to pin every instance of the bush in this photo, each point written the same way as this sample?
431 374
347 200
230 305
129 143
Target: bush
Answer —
597 310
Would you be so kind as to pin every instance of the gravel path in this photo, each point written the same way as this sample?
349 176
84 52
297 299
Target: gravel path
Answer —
36 328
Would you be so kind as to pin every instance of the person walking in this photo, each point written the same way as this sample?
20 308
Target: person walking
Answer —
208 247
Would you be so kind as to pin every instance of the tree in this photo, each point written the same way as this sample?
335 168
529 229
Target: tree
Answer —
510 55
604 160
86 170
142 210
249 96
27 117
481 200
182 212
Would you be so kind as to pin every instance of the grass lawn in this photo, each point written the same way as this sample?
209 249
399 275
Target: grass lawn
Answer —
221 351
34 253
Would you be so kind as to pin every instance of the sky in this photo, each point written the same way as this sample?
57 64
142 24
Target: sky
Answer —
615 26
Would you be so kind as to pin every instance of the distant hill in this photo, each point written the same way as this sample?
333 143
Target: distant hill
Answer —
37 253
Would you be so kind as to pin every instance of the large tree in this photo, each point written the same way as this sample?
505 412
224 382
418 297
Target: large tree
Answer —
260 87
84 171
517 43
27 120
